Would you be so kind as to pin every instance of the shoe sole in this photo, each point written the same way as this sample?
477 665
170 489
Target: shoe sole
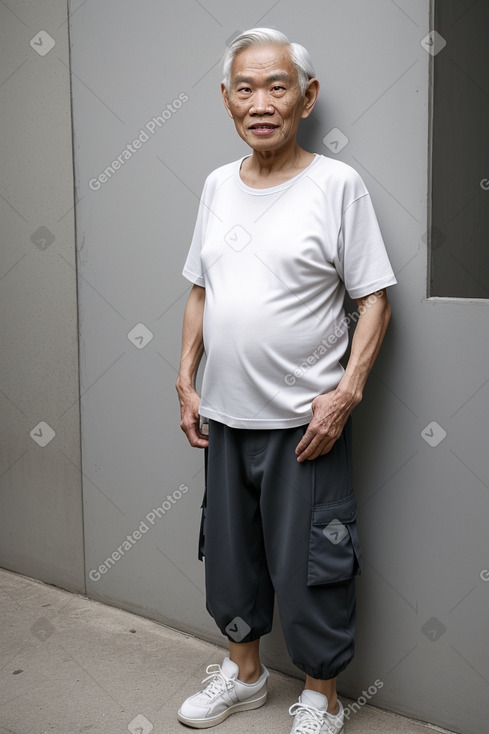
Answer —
339 731
215 720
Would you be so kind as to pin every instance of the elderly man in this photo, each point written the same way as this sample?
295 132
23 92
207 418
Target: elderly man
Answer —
280 235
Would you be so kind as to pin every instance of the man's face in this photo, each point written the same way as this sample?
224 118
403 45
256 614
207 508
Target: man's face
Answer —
264 98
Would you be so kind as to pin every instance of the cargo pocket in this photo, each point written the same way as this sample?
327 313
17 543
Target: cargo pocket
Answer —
334 545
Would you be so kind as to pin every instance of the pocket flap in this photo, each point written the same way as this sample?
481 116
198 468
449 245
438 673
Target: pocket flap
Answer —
344 510
334 545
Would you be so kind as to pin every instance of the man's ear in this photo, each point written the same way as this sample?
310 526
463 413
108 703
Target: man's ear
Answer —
310 97
225 98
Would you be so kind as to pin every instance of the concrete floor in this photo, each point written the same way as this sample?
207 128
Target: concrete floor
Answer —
69 664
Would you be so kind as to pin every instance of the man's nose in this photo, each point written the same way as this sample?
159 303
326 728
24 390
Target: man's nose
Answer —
261 105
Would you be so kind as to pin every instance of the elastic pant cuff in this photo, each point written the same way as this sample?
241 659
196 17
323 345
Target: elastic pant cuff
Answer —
323 673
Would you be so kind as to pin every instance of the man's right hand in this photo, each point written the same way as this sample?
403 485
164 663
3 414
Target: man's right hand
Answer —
190 419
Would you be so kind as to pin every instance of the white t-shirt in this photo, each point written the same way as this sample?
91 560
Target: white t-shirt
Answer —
275 264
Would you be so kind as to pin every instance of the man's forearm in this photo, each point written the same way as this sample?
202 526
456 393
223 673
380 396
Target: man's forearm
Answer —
192 339
366 343
331 409
192 350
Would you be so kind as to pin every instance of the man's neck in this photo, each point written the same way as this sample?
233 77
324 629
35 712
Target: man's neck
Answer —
264 169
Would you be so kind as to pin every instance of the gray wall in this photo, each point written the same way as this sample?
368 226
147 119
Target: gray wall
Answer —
423 507
41 531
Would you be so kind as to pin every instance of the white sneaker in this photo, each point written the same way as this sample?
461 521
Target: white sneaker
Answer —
224 695
311 717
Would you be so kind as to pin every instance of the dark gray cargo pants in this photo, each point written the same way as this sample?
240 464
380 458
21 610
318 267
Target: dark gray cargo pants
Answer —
273 526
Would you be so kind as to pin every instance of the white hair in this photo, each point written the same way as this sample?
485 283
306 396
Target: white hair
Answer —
263 36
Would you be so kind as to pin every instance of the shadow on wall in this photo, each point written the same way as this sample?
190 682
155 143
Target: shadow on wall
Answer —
313 129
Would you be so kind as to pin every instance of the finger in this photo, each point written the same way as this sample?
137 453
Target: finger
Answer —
317 448
305 441
203 438
324 449
196 438
308 451
199 442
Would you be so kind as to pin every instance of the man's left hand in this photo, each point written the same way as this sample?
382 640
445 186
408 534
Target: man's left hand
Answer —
331 412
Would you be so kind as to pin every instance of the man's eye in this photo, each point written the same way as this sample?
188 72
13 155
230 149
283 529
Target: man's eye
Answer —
277 88
244 89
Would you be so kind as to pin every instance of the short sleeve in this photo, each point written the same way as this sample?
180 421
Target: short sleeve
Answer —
363 263
192 270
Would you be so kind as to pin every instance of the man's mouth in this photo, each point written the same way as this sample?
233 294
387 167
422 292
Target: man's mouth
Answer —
263 126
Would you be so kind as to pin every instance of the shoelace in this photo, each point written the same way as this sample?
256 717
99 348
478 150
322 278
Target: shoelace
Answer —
218 681
310 719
